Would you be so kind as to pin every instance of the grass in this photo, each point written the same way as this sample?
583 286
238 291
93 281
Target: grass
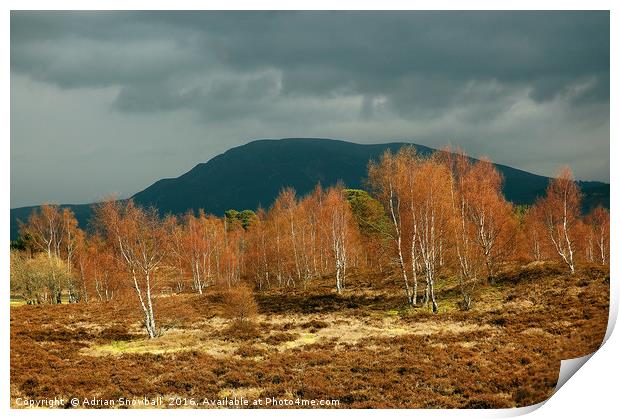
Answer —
116 347
303 339
19 301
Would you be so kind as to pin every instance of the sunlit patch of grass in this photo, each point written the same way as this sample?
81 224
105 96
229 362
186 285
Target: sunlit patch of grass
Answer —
432 327
450 305
17 302
117 346
132 347
171 342
303 339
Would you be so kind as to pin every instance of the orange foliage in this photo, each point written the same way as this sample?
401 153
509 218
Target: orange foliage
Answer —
445 214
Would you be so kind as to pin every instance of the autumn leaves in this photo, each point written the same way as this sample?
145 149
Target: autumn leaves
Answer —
449 215
432 218
447 212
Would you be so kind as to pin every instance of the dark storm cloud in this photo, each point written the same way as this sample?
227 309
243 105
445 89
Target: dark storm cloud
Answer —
318 53
482 79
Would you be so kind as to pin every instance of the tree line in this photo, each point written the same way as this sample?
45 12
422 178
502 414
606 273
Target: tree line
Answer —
426 218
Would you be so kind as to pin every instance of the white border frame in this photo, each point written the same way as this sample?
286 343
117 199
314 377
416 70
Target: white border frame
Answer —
592 392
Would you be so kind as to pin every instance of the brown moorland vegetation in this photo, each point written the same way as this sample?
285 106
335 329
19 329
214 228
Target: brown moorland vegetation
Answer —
363 347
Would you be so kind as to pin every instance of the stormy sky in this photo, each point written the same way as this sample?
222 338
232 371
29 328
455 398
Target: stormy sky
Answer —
109 102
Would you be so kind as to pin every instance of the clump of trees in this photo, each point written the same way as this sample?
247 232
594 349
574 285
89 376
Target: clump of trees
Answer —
301 239
446 211
427 217
39 279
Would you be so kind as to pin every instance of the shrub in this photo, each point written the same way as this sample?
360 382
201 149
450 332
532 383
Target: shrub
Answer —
239 304
244 330
278 338
249 351
314 325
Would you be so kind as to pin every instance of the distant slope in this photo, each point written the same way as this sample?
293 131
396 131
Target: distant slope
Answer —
252 175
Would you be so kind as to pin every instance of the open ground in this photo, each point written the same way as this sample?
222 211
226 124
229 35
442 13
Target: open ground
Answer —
364 347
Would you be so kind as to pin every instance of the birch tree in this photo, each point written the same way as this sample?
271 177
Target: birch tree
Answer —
45 229
339 223
432 214
387 180
598 221
139 238
535 232
560 209
460 166
489 213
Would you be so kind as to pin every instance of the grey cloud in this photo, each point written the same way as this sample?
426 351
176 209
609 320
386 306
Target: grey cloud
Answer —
319 52
377 50
219 96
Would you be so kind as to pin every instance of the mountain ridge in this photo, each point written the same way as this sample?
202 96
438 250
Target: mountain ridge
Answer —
252 174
